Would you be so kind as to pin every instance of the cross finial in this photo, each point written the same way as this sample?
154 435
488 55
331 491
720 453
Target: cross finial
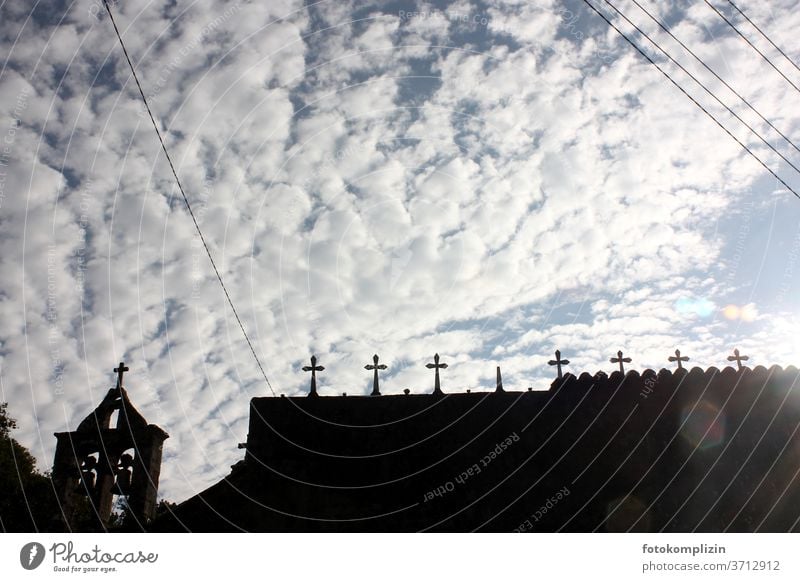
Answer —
557 362
120 371
678 358
619 359
375 367
313 368
437 387
737 358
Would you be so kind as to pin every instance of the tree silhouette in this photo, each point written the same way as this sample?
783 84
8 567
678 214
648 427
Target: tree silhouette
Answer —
27 502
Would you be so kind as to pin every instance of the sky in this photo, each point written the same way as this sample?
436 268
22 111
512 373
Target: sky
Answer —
491 181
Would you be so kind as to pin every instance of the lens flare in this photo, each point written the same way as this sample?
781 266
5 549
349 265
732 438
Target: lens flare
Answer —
703 426
627 513
747 312
731 312
697 306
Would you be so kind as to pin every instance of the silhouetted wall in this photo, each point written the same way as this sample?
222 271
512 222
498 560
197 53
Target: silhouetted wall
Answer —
700 450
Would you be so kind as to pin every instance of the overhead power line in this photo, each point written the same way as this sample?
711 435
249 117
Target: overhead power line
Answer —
762 33
747 40
710 70
185 198
706 89
692 99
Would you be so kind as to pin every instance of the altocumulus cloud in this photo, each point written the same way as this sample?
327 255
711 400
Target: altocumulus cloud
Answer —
486 180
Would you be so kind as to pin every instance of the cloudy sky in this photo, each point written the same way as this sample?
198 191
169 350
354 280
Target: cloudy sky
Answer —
489 180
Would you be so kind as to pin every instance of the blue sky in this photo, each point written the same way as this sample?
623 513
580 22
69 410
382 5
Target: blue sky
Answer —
489 181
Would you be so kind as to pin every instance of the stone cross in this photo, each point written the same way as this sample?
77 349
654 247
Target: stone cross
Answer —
313 368
374 366
437 387
619 359
678 358
557 362
120 371
737 358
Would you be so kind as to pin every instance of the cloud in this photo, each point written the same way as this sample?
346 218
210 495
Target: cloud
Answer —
481 182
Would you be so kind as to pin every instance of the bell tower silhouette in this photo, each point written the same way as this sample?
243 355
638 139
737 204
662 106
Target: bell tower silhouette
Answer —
96 462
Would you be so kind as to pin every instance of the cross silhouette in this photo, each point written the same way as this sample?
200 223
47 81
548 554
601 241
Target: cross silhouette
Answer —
557 362
120 371
737 358
313 368
620 359
678 358
374 366
437 387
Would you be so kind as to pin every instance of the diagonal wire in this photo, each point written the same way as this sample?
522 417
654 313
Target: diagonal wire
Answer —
769 40
763 56
692 99
706 89
186 199
710 70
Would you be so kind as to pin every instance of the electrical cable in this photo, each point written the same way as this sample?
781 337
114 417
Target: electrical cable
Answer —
706 89
769 40
186 199
763 56
692 99
720 79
